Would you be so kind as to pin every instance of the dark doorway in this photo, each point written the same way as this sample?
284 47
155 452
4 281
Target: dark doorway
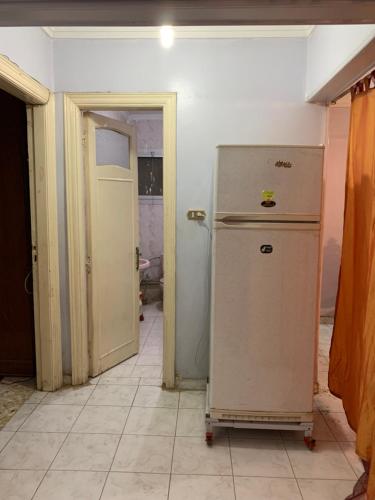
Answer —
17 341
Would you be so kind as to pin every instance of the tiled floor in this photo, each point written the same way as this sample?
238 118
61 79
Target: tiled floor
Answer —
122 437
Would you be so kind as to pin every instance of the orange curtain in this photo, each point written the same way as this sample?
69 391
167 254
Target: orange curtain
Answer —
352 355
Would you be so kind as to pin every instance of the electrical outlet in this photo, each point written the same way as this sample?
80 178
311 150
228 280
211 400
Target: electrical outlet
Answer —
196 214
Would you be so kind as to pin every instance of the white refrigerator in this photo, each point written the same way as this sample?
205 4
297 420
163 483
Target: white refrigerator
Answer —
265 286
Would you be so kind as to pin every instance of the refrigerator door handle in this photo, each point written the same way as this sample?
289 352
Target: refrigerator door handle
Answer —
267 225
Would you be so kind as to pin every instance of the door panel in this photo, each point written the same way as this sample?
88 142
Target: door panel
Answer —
112 193
17 344
264 318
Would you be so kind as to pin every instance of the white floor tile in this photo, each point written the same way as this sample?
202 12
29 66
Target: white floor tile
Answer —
112 395
71 485
52 418
69 396
102 420
146 371
188 487
326 461
119 371
318 489
193 456
5 436
339 426
19 417
253 457
31 450
119 381
156 397
136 486
19 484
152 421
150 359
349 450
87 452
144 454
191 422
266 488
37 397
157 382
193 399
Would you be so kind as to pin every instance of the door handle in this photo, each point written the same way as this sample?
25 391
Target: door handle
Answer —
28 292
137 255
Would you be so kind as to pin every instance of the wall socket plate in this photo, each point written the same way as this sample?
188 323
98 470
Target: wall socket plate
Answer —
196 214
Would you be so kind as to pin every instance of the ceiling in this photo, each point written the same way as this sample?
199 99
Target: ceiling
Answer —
184 12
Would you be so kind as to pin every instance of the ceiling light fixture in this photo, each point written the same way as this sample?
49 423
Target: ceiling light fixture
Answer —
166 36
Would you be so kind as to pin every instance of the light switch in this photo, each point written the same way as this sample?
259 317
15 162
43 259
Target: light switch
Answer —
196 214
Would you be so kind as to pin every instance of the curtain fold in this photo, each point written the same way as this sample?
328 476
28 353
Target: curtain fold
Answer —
352 355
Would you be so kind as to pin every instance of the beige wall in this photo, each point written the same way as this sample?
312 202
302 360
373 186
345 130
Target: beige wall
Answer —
335 170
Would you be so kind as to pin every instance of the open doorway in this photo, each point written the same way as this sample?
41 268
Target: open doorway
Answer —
124 206
74 105
17 353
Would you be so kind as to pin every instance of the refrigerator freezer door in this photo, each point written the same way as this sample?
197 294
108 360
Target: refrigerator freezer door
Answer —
264 317
269 180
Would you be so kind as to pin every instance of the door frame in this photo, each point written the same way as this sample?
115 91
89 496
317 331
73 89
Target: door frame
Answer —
74 105
40 103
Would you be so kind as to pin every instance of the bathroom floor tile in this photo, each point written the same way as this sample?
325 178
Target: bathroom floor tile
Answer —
119 381
318 489
266 488
52 418
150 359
102 420
71 485
253 457
191 422
31 450
87 452
19 417
193 456
146 371
69 396
187 487
156 397
144 454
326 461
19 484
157 382
119 371
112 395
193 399
152 421
136 486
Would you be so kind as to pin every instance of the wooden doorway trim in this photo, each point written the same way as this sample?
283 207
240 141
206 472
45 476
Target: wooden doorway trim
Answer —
43 199
74 105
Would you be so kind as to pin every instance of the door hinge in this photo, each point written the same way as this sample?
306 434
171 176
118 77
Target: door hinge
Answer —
137 255
34 253
88 264
84 138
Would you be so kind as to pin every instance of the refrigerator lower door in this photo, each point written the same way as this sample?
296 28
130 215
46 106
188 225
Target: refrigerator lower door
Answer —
264 317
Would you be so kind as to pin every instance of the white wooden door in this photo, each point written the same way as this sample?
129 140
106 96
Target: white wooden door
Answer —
112 241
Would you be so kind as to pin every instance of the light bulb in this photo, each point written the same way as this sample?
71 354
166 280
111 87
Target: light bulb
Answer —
166 36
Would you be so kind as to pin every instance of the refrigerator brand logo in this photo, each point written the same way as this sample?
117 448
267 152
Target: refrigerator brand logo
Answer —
283 164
